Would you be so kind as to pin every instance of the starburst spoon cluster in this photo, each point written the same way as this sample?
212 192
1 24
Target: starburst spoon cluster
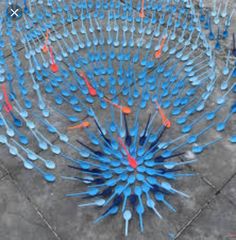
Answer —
127 167
149 67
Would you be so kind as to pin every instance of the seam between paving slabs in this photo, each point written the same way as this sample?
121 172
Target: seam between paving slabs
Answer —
198 214
223 186
34 206
205 205
3 177
4 173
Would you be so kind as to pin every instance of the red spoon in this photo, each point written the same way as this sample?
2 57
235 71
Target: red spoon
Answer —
91 89
8 106
158 53
54 66
132 161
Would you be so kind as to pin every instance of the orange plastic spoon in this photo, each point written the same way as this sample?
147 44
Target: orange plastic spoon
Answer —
124 109
79 126
45 46
141 14
165 121
159 52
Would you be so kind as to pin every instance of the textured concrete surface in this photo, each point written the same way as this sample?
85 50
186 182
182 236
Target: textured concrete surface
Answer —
32 209
18 219
216 221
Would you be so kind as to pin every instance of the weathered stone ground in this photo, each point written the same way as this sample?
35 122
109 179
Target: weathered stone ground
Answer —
31 209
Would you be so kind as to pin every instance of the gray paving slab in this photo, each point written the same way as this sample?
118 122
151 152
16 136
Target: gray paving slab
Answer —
216 222
18 220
